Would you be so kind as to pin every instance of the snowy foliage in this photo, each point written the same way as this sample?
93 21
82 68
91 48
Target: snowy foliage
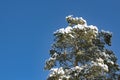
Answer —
79 53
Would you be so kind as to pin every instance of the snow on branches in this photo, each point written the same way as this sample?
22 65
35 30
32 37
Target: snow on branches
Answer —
79 53
74 21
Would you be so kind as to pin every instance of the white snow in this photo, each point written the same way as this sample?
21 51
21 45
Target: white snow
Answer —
60 31
100 60
99 64
81 27
71 35
76 20
55 55
64 30
104 54
80 18
68 29
57 71
52 58
61 71
111 62
106 31
93 28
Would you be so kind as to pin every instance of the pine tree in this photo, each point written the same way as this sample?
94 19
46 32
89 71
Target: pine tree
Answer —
79 52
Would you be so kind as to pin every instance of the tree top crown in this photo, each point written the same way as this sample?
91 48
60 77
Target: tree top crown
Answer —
74 21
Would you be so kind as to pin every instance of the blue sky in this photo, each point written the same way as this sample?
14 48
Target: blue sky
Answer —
27 26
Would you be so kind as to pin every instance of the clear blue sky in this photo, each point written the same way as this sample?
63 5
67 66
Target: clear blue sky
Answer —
27 26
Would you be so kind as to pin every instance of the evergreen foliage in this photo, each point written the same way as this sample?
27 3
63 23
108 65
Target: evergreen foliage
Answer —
79 53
